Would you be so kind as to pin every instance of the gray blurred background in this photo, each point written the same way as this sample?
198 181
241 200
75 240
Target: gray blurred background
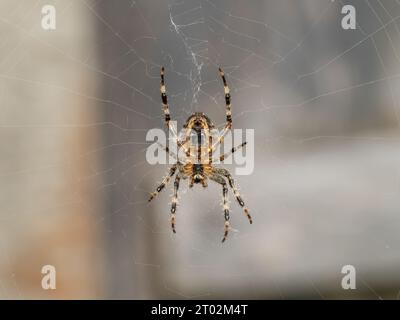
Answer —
77 102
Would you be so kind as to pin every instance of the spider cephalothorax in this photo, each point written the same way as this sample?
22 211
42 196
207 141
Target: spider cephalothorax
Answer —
198 146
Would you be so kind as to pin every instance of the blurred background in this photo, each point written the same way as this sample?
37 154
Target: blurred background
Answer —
77 102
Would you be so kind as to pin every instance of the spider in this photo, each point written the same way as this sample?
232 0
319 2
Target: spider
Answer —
198 164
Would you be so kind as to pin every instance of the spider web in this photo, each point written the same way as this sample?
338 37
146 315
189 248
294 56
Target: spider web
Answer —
322 101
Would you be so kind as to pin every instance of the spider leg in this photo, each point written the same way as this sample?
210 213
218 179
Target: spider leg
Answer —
167 115
232 184
163 183
220 139
227 99
210 153
168 151
174 202
183 142
188 151
219 179
228 111
233 150
164 99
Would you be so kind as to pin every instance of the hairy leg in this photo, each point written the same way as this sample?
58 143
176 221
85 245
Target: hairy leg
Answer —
163 183
225 205
232 184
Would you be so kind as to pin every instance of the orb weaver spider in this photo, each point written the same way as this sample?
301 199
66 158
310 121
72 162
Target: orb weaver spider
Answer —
198 166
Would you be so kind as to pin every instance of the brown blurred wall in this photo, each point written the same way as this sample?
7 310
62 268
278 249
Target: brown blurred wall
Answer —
48 212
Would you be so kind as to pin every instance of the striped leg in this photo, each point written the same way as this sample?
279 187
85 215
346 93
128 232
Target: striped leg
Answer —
210 153
227 99
165 104
163 183
239 199
221 137
174 202
168 151
183 142
219 179
167 115
226 211
164 99
228 125
233 150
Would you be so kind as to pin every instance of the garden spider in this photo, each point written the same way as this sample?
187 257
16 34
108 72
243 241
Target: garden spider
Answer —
198 164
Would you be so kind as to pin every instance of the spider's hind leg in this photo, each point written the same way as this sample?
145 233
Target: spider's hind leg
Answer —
163 183
174 202
219 179
236 193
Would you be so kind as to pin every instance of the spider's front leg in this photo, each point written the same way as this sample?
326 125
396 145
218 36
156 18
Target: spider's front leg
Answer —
174 202
164 99
163 182
219 179
228 111
167 116
239 199
227 99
